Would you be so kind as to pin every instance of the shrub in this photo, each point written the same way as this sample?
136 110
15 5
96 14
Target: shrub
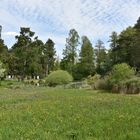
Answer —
121 79
59 77
129 86
9 83
132 85
120 72
2 71
103 83
33 82
92 81
41 82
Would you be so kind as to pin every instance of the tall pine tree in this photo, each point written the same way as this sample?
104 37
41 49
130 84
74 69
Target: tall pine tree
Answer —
86 61
49 56
70 52
100 57
20 50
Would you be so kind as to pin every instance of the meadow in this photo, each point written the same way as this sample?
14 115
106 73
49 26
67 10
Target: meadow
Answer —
41 113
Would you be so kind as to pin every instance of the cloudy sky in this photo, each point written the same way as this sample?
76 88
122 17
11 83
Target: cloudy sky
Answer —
54 18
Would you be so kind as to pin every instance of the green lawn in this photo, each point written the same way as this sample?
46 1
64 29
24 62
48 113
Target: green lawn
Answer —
33 113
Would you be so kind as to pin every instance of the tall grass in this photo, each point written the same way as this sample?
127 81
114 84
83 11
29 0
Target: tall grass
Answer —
62 114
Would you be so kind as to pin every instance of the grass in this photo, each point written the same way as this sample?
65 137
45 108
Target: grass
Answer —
37 113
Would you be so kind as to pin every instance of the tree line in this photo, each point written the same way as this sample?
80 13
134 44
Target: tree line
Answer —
30 57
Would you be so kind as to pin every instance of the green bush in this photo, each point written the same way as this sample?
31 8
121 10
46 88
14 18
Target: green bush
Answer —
33 82
132 86
122 79
92 80
97 82
119 73
2 71
59 77
103 83
129 86
41 82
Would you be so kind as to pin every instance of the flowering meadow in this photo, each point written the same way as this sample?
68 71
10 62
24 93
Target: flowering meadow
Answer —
40 113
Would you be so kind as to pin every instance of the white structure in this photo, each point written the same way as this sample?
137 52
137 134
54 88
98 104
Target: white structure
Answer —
38 77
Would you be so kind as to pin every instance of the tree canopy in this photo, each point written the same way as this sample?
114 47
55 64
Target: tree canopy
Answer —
31 57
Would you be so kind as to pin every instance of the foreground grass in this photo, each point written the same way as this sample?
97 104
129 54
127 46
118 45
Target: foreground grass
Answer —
57 114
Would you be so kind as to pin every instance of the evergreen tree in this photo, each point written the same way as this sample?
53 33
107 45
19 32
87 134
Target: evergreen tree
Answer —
86 61
20 49
137 25
113 47
100 55
3 53
70 52
34 56
136 50
2 71
49 56
126 46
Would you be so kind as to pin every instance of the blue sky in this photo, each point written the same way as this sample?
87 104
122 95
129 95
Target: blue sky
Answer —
54 18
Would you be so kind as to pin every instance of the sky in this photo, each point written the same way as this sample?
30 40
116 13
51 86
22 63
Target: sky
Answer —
54 18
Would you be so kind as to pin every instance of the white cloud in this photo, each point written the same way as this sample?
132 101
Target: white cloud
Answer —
54 18
10 33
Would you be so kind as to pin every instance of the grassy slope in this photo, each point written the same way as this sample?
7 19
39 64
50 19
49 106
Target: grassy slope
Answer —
56 114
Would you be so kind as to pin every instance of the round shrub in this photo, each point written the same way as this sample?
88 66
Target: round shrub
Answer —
58 77
120 72
121 79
